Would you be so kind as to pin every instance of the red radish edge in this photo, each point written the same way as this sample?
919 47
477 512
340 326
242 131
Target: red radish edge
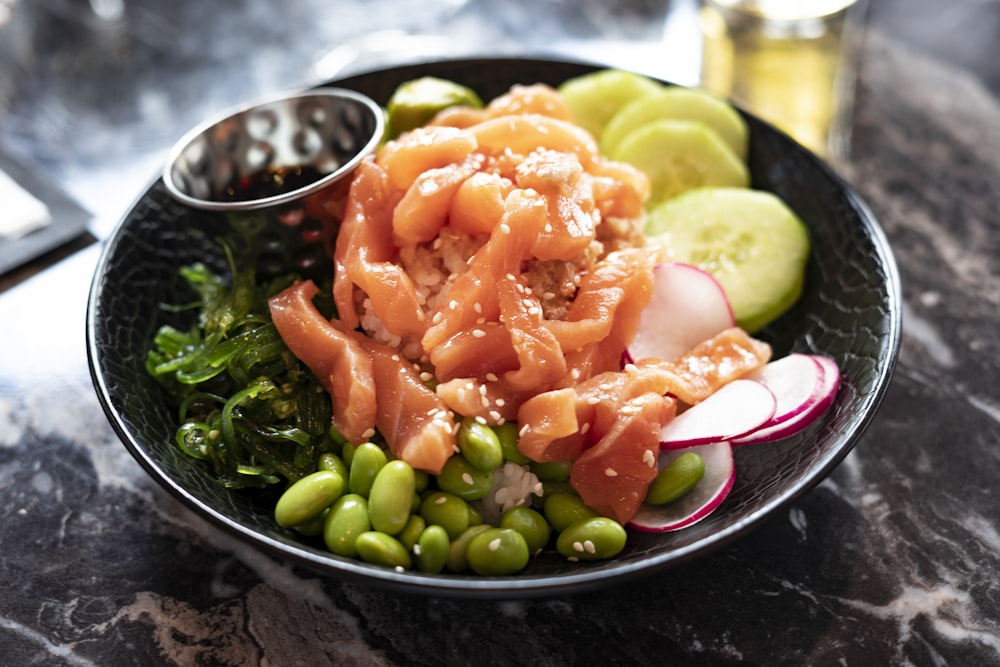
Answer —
712 489
805 387
734 410
687 306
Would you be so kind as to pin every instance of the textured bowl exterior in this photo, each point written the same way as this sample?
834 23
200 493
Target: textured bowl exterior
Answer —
850 310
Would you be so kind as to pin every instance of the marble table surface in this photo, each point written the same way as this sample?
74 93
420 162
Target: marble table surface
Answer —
891 560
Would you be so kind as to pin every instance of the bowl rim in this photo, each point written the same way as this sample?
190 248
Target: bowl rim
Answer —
522 585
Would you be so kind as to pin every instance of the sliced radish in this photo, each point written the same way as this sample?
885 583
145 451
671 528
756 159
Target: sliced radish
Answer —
734 410
804 385
688 306
711 490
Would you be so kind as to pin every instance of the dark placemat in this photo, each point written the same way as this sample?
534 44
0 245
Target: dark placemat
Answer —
69 219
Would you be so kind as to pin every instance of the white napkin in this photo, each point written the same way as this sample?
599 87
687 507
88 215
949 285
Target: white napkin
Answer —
20 211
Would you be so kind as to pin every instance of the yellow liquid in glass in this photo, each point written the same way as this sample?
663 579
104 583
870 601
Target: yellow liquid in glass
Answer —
788 67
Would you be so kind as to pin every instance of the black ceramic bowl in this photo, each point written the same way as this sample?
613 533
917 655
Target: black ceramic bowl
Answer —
850 311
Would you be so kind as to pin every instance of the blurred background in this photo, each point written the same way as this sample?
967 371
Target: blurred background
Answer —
93 92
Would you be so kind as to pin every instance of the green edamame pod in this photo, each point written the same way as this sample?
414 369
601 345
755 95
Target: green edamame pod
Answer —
676 479
330 461
508 436
367 460
347 519
313 527
531 524
431 550
497 552
457 560
446 510
347 453
381 549
596 538
475 516
479 444
464 480
562 509
412 531
557 471
308 497
391 496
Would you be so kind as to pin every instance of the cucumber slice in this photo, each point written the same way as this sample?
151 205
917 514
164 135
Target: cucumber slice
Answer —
680 155
415 102
594 98
678 103
754 245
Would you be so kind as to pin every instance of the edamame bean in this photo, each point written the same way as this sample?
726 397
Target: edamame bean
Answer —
531 524
475 516
347 519
306 498
464 480
423 479
391 496
557 471
347 453
457 560
313 527
676 479
412 531
431 550
330 461
562 509
508 436
381 549
479 444
367 460
446 510
596 538
497 552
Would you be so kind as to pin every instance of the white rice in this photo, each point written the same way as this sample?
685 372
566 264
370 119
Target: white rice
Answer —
513 486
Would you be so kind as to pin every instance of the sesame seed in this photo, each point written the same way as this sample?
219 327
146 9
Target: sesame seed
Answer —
495 544
578 546
440 500
481 419
589 547
504 228
467 478
593 400
494 415
437 317
610 472
524 430
399 568
453 304
492 377
548 228
631 369
484 401
606 386
585 428
478 333
478 307
416 549
370 433
500 402
649 458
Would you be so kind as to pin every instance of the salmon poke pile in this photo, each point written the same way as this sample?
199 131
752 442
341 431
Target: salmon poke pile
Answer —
539 332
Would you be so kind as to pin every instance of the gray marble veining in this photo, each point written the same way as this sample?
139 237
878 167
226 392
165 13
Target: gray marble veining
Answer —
891 560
